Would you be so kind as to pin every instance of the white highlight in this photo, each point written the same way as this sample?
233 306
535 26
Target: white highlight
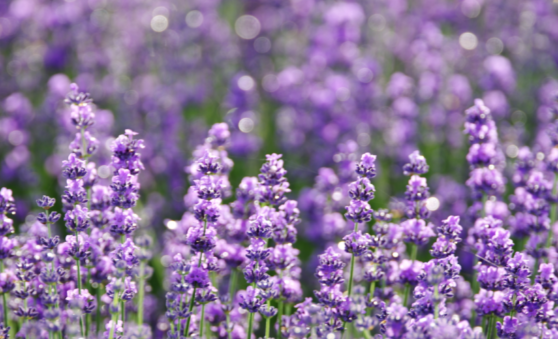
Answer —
159 23
247 27
468 41
432 203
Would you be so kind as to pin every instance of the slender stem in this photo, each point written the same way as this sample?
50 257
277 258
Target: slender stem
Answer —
4 301
250 321
81 327
350 287
553 211
98 311
123 310
229 330
267 321
372 289
190 307
514 298
436 310
114 316
141 292
483 206
279 318
414 250
232 283
202 320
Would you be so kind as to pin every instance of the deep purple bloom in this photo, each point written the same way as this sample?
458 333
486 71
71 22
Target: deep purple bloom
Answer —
417 231
359 211
367 166
357 243
361 189
417 164
250 300
77 220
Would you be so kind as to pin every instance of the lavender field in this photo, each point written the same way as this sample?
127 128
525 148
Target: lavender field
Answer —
288 169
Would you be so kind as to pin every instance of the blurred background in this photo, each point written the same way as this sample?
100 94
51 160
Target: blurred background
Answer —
319 81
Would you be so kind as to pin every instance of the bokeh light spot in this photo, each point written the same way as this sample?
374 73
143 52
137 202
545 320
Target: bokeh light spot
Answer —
246 83
246 125
468 41
159 23
247 27
194 19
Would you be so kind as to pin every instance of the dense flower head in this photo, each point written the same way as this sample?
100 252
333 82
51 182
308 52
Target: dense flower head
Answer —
82 114
417 189
209 163
251 300
125 188
125 152
482 154
207 210
358 211
77 220
74 167
123 222
361 189
272 171
357 243
367 166
77 146
46 202
450 228
552 160
209 187
487 180
260 227
198 277
416 165
201 239
417 231
219 134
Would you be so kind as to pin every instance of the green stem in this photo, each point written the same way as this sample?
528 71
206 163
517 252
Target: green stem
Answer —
123 311
414 249
98 311
114 316
141 292
553 211
202 320
350 287
279 318
78 264
229 330
372 289
250 321
436 310
232 284
483 210
267 321
512 313
4 300
190 307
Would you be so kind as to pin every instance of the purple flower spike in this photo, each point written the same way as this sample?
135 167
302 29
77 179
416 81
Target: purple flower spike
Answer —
358 211
219 134
361 190
250 300
367 166
417 164
417 231
357 243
